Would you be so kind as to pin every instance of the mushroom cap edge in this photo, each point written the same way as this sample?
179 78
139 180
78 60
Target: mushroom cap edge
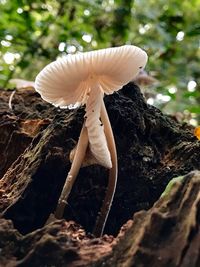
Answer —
67 81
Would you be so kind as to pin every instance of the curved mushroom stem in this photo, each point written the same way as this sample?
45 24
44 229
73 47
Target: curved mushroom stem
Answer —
96 134
102 146
102 218
10 99
71 177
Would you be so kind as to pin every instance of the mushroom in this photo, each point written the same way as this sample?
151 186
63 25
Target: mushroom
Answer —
20 83
84 78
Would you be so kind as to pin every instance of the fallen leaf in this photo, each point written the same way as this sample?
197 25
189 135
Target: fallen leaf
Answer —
197 132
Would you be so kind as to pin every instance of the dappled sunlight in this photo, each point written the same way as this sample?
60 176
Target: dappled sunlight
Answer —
191 86
180 36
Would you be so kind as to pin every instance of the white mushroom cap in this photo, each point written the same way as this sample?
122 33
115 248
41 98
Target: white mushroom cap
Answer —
20 83
67 81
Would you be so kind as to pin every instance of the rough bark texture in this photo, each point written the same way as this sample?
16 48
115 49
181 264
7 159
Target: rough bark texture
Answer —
35 141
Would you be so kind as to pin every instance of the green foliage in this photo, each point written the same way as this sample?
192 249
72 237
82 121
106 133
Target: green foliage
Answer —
33 33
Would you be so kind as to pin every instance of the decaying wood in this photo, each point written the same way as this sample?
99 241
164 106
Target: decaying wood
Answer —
166 235
35 142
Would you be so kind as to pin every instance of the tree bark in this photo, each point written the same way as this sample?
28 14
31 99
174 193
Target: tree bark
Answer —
35 141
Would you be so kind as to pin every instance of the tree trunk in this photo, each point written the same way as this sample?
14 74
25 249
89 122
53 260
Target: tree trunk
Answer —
35 141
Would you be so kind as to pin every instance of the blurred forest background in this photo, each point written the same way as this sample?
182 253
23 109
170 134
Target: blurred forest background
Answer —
34 33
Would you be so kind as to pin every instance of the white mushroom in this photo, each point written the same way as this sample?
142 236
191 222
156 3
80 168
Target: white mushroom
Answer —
20 83
84 78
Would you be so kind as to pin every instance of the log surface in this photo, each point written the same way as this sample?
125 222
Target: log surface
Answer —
35 141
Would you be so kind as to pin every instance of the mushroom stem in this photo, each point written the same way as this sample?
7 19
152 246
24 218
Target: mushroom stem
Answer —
10 99
71 177
96 135
102 218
